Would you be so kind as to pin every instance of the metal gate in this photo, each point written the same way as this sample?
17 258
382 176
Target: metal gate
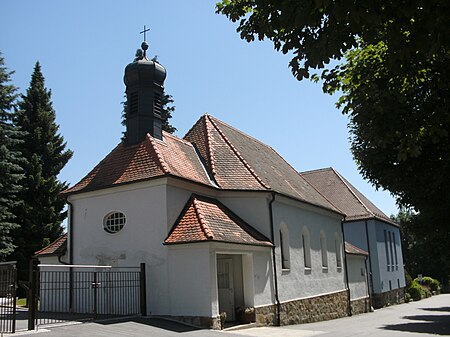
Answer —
8 286
63 293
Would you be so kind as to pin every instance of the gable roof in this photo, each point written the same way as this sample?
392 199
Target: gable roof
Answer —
148 159
204 219
57 247
238 161
344 195
351 249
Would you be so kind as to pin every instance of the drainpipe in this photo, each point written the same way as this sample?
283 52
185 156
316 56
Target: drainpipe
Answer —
349 303
70 244
370 265
274 260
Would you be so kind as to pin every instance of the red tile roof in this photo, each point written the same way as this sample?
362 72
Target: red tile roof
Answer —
238 161
344 195
350 249
232 159
57 247
148 159
205 219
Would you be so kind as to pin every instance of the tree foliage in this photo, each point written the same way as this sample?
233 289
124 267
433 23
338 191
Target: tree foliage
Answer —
425 249
10 161
316 32
42 211
394 83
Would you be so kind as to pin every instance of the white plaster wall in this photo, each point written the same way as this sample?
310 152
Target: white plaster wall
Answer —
355 233
252 209
357 277
141 239
189 280
393 278
298 282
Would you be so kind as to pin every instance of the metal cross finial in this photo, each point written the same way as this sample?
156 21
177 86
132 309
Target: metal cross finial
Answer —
144 31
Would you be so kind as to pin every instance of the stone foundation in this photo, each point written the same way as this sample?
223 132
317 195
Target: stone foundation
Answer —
360 306
306 310
199 321
388 298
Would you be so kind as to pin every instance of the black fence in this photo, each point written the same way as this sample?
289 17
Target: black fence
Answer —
66 293
8 286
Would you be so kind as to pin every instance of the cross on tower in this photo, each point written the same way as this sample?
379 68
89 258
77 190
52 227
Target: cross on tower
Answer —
144 31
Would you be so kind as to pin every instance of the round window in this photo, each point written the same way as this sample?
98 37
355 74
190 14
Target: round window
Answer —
114 222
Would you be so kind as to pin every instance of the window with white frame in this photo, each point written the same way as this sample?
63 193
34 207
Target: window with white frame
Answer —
114 222
323 249
284 245
306 248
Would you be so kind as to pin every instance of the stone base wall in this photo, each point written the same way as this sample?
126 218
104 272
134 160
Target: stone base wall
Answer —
360 306
199 321
387 298
306 310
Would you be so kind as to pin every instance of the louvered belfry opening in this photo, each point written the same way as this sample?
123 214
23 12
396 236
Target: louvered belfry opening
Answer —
144 80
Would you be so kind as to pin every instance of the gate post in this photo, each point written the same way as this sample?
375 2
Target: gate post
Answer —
32 303
143 290
13 295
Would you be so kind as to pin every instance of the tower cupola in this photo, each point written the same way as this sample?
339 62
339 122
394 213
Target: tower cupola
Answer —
144 80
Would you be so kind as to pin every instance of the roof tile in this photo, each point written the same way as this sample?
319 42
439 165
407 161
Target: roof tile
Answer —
205 219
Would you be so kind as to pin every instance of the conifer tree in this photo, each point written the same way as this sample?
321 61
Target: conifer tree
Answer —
42 211
10 162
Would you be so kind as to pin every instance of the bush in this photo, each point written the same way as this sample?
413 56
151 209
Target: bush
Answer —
416 291
430 283
408 279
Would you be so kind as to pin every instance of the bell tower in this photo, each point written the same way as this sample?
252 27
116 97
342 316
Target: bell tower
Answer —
144 80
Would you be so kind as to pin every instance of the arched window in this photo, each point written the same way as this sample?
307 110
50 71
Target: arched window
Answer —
114 222
323 249
306 248
284 245
338 248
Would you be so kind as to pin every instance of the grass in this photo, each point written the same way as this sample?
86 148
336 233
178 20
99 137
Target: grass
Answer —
21 302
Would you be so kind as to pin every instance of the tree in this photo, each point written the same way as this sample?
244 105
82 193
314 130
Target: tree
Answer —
394 83
42 211
10 162
424 250
316 32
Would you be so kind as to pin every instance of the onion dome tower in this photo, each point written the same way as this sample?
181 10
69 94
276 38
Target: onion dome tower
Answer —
144 80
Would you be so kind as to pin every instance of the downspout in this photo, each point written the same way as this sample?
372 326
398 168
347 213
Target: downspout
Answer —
349 303
70 231
370 266
274 260
70 243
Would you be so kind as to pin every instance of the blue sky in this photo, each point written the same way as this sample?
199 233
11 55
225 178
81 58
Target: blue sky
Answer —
84 46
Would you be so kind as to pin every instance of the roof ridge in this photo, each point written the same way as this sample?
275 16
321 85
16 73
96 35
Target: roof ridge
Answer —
240 131
168 134
160 158
352 192
209 147
204 227
317 170
323 195
236 152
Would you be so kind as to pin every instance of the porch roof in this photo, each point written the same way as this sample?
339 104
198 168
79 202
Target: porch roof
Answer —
205 219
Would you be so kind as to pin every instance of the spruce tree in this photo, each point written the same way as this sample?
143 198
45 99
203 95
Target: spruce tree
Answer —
10 162
42 212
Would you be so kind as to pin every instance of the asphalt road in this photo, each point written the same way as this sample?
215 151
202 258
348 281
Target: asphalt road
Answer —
429 317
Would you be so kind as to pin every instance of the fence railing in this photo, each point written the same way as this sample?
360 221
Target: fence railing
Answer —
8 286
60 293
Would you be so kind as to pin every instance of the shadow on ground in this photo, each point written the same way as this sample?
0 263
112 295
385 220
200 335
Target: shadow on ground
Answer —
154 322
431 324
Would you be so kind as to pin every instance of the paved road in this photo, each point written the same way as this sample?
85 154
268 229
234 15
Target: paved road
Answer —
429 317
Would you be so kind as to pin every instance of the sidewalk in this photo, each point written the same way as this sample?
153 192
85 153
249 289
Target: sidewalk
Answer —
429 317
